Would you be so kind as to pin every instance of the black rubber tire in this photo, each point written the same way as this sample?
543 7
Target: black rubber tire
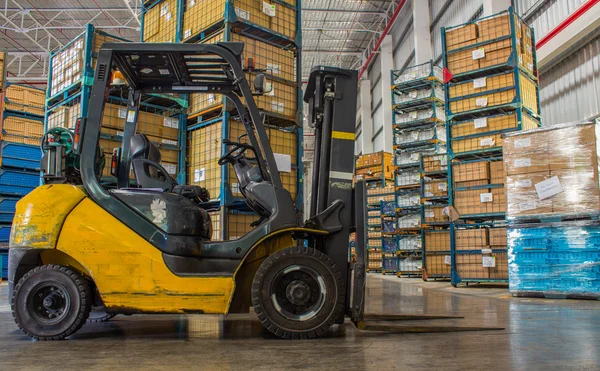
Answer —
99 314
281 326
80 299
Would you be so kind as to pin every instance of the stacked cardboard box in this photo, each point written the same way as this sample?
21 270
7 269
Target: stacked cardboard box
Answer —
492 90
205 146
552 171
201 17
26 100
377 195
375 166
160 22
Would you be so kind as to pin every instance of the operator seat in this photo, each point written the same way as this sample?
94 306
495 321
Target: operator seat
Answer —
145 159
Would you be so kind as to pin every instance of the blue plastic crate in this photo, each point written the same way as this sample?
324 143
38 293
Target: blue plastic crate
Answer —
7 209
21 156
4 263
389 244
4 234
388 226
390 264
18 183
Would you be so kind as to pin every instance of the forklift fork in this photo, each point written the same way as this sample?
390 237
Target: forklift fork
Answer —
357 283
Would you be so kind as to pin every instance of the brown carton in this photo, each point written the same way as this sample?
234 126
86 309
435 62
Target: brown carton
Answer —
437 241
526 163
497 172
497 237
471 171
470 239
437 264
436 214
522 196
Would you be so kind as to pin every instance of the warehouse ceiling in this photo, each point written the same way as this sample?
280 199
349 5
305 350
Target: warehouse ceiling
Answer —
335 32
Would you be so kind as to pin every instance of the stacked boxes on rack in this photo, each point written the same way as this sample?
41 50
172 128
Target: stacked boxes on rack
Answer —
21 114
551 180
69 91
380 203
420 162
268 31
492 89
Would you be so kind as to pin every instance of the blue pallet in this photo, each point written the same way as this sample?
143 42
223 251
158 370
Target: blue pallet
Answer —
18 183
560 260
21 156
4 263
4 234
7 209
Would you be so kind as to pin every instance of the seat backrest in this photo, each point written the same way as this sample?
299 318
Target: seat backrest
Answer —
145 158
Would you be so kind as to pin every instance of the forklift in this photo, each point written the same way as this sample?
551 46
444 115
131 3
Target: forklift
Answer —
146 247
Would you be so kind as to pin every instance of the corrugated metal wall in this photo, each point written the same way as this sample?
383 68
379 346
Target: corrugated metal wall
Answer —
571 90
549 15
458 12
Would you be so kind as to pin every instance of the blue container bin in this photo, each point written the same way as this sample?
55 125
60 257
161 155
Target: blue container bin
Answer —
7 209
21 156
18 183
4 263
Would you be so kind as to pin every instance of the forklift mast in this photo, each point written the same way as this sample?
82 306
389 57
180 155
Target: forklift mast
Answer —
331 95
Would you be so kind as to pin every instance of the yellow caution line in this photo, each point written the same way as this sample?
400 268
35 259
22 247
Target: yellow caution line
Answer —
342 135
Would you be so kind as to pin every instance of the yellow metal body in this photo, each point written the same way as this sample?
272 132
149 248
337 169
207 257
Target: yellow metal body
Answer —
129 272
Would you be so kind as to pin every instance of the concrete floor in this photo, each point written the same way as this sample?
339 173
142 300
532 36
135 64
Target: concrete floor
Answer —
539 335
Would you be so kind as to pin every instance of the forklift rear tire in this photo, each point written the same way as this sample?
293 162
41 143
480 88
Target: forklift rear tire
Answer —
51 302
298 293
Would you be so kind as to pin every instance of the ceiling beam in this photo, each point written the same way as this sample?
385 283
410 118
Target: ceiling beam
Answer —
320 29
333 52
358 11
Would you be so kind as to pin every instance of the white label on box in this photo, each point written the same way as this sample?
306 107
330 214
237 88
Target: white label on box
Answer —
548 188
170 168
413 94
169 141
187 33
522 143
480 123
278 107
270 91
481 102
443 161
192 3
414 157
487 142
242 14
268 9
414 115
523 183
530 66
427 187
446 211
274 68
478 54
486 251
522 162
199 175
170 122
442 186
131 116
486 197
520 59
211 98
119 133
488 261
284 162
480 83
168 16
428 194
235 188
429 214
447 260
146 71
164 9
163 71
122 113
527 205
414 135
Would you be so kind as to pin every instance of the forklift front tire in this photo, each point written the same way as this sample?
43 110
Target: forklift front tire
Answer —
298 293
51 302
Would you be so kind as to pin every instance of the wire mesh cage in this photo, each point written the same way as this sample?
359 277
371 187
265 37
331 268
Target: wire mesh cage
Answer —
409 242
18 129
25 100
160 22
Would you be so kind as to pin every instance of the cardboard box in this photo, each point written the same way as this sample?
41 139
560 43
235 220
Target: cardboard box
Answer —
484 101
478 143
461 36
522 197
494 27
436 188
436 214
470 239
437 265
470 266
471 171
437 241
497 172
479 57
480 201
435 163
481 85
580 193
526 163
497 237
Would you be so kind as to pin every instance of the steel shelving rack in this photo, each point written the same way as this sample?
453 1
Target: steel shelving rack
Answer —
520 78
231 24
419 127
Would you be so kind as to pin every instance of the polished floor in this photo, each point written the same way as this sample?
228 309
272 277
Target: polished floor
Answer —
538 335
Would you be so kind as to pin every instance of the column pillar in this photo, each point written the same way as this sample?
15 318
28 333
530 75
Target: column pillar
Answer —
386 58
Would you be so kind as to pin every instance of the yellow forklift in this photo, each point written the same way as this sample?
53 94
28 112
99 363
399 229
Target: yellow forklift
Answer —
146 247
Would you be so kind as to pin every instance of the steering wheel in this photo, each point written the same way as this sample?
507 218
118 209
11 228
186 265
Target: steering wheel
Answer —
59 132
229 156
